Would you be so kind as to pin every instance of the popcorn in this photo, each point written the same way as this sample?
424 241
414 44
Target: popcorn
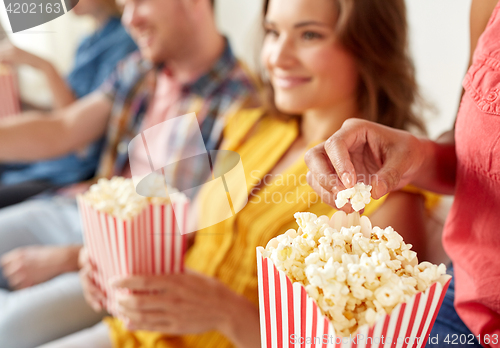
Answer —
119 198
354 272
359 195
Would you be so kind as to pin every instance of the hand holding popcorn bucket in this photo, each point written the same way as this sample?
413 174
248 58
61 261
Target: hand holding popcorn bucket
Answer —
342 283
127 234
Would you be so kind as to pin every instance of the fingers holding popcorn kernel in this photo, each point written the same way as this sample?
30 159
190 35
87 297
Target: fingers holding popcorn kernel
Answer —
389 158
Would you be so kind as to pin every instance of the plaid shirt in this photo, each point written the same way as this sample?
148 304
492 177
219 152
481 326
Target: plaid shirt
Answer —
224 89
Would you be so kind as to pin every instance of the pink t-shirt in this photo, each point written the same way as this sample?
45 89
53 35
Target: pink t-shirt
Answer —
472 232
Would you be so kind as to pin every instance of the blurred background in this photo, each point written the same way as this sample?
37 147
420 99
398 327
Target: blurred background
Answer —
439 44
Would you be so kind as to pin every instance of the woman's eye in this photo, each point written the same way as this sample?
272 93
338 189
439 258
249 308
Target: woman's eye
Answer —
271 32
311 35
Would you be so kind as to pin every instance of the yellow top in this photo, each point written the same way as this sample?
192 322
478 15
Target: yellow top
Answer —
227 250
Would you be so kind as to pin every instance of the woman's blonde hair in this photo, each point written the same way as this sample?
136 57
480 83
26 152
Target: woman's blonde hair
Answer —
375 32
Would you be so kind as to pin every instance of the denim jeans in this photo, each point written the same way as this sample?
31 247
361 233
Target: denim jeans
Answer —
449 330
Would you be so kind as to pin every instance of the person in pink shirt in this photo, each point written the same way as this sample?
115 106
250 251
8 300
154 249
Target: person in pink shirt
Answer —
466 165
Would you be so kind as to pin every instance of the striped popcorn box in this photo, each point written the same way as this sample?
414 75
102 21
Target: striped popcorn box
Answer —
9 92
152 242
290 318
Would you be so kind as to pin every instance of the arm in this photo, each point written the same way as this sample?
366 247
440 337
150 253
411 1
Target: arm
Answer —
390 158
38 135
61 92
439 168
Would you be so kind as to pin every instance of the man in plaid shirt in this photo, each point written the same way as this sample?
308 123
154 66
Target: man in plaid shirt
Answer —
185 66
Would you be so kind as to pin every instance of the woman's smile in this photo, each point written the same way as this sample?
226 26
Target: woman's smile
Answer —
288 82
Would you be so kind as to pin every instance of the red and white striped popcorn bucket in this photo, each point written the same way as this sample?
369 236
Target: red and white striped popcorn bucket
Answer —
290 318
9 92
151 243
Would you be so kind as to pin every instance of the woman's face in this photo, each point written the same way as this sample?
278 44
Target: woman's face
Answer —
307 66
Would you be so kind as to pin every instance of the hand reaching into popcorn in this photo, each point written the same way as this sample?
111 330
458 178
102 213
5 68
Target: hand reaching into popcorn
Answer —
390 158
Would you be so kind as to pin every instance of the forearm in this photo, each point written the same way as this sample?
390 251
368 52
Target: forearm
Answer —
61 92
438 172
31 136
37 135
242 325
